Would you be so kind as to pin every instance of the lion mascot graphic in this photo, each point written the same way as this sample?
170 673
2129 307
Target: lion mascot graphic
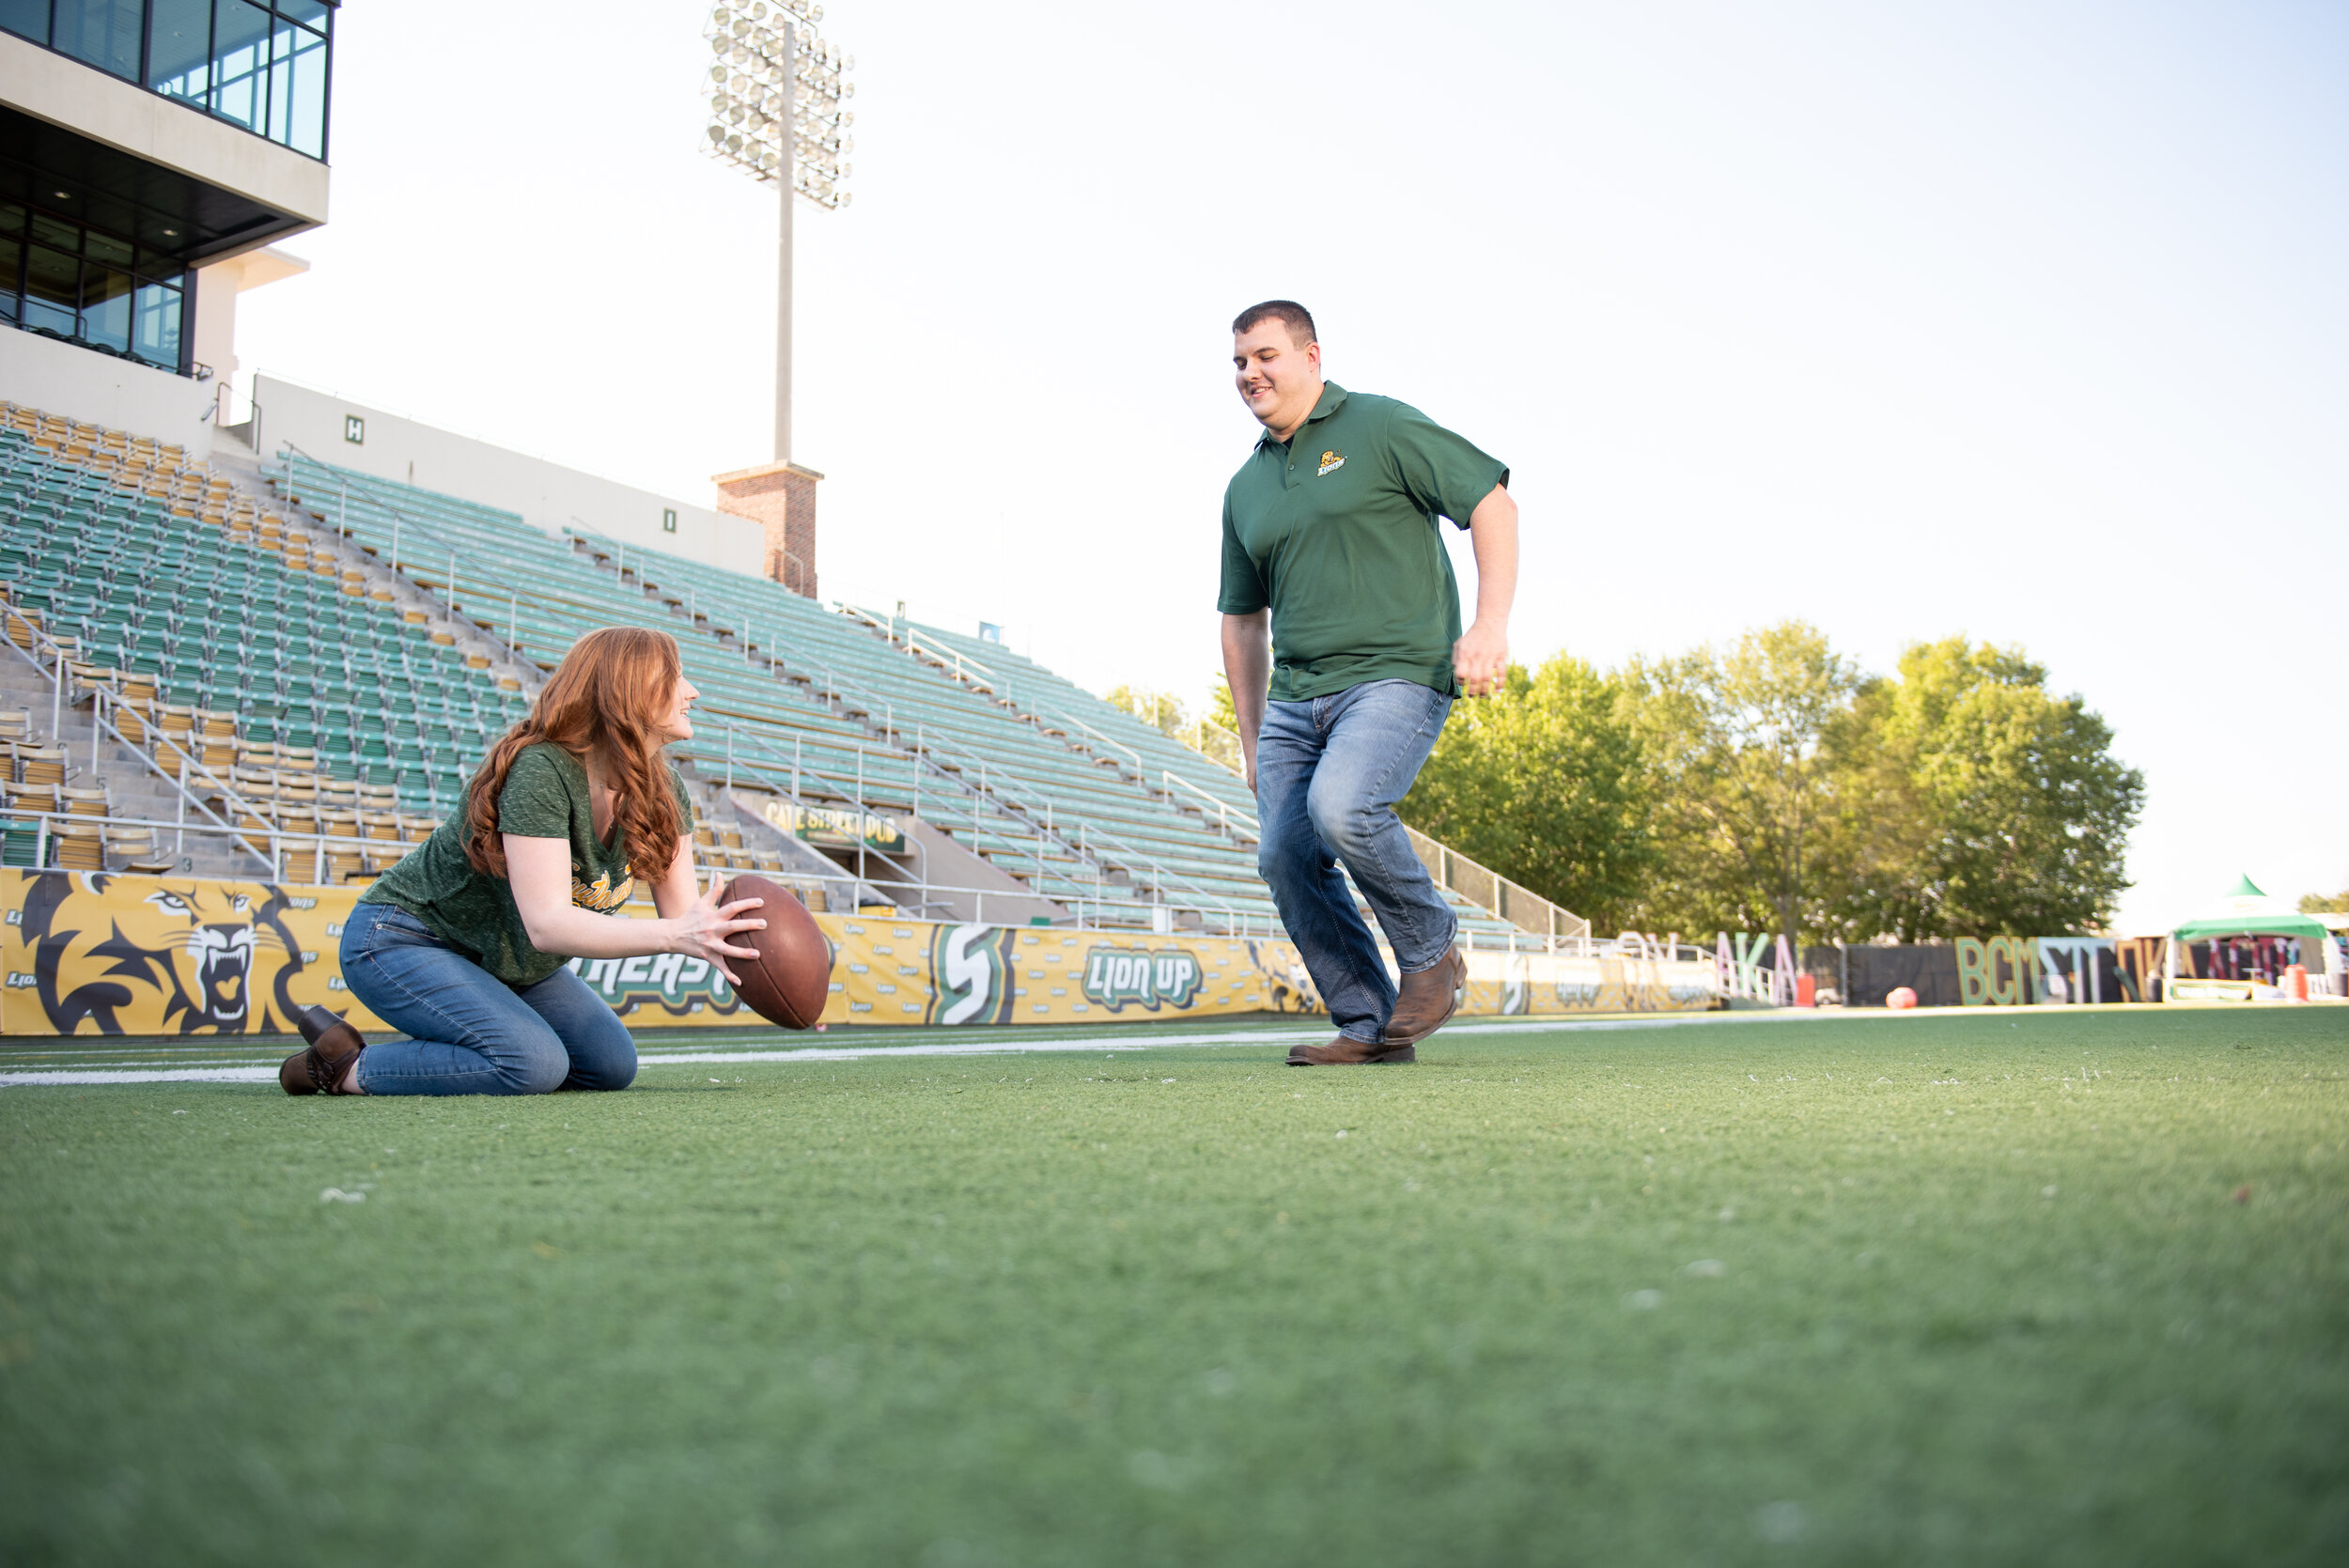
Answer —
185 961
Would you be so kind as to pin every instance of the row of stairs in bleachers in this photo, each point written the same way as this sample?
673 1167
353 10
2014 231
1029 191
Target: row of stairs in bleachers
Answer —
46 765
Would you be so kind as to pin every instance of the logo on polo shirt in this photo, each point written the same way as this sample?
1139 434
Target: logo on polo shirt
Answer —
1330 463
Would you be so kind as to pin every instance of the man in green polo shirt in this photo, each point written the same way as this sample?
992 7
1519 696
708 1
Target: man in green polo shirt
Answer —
1343 645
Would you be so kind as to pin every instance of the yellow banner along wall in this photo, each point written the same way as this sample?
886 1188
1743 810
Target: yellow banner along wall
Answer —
86 953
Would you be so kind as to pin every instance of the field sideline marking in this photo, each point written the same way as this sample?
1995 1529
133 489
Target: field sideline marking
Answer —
68 1077
1107 1044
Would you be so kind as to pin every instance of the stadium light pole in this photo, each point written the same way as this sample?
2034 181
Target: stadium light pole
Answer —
777 94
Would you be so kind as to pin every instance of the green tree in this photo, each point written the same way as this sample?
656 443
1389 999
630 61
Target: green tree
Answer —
2317 904
1739 749
1220 706
1542 781
1980 805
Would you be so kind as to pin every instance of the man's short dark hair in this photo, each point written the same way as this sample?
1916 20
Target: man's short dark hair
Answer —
1295 316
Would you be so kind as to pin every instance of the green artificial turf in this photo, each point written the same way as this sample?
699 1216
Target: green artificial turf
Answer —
1932 1290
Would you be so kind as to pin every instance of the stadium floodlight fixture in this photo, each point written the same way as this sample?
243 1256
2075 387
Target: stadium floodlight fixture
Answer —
778 94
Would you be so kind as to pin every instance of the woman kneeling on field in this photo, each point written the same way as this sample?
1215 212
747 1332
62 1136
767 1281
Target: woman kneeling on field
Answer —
463 943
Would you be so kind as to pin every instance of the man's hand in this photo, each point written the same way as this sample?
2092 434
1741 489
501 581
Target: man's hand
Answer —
1481 659
1248 669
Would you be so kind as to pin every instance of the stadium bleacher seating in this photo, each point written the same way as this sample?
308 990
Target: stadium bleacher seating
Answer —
325 720
1060 790
538 595
310 704
1125 792
334 721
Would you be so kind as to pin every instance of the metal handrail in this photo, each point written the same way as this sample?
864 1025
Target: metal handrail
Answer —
1225 813
973 775
1441 859
423 576
343 478
919 754
1236 923
602 546
1235 919
835 685
1135 859
887 626
279 837
1143 725
1088 831
60 674
769 766
236 802
969 767
1142 771
344 535
905 637
457 599
1020 810
1203 724
988 788
915 646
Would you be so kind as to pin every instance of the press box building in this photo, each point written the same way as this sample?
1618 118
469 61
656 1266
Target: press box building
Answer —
152 151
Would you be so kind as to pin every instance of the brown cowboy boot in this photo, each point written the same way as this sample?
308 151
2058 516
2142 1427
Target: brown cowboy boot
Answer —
1347 1051
1427 1001
334 1046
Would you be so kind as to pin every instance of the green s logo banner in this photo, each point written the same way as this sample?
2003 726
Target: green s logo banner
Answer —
972 964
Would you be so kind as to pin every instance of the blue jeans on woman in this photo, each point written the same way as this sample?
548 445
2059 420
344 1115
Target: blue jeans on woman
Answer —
470 1032
1329 771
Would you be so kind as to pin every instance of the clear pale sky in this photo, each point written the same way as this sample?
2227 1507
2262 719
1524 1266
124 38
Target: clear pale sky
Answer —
2024 321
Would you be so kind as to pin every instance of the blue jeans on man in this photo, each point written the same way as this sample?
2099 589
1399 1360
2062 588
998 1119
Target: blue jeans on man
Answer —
1329 772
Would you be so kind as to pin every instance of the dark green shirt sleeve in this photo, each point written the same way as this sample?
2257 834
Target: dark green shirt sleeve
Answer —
1444 473
534 802
1243 592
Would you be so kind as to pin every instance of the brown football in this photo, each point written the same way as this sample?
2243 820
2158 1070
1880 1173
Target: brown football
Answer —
787 982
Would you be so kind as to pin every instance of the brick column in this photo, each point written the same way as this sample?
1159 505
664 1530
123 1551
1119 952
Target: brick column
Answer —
781 499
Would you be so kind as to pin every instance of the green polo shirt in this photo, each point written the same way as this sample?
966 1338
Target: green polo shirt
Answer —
1335 530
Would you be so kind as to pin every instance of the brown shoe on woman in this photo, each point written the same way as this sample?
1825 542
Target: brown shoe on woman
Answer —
334 1046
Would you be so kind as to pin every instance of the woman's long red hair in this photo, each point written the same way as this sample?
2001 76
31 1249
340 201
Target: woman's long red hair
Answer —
604 705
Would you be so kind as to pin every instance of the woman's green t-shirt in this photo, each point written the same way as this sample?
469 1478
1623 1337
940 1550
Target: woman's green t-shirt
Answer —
546 796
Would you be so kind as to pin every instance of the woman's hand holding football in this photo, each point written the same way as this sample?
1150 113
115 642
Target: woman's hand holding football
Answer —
702 931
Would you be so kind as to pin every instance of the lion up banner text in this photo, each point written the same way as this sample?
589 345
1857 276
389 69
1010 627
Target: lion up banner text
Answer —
85 952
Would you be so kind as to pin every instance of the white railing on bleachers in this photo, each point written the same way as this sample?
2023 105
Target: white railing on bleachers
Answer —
59 670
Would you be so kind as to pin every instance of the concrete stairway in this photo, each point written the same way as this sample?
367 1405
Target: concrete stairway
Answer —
134 790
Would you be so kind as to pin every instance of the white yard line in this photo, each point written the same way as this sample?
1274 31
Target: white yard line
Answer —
974 1043
979 1047
177 1074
